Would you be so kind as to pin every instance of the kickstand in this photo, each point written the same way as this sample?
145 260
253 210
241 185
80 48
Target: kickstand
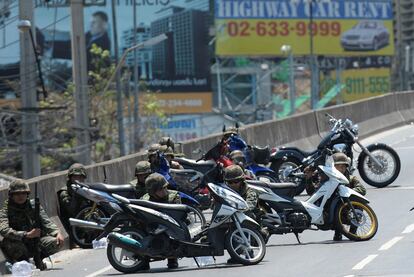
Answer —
196 262
297 237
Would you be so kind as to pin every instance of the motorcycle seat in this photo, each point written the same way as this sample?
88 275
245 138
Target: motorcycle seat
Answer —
185 161
271 185
112 188
159 206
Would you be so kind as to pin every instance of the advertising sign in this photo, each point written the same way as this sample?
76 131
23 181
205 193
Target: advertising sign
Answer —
337 27
184 103
359 83
178 64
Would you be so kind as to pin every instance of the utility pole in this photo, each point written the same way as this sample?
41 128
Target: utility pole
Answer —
136 83
80 77
119 100
30 118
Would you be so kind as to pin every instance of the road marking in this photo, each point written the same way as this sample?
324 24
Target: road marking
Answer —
349 276
364 262
408 229
96 273
398 188
390 243
404 148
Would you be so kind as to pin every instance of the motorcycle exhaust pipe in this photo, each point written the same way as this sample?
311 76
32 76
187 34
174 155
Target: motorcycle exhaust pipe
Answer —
85 224
126 243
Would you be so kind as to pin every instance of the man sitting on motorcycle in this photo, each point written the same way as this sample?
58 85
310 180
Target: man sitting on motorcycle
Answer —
157 192
142 171
169 156
342 163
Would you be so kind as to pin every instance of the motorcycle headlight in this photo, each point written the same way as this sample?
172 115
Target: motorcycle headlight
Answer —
115 206
236 203
231 198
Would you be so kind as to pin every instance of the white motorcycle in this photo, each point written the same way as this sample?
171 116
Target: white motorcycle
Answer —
332 206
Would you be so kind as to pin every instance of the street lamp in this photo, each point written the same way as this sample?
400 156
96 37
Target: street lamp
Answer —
287 50
148 43
24 26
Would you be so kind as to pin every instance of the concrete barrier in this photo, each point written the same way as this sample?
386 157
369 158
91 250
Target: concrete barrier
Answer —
303 130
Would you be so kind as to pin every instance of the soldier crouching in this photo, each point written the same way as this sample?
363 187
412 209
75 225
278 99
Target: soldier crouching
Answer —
17 226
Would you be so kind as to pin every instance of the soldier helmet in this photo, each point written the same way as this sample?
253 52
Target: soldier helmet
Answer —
77 169
341 158
154 148
142 167
18 186
169 151
154 182
236 154
233 173
230 131
167 141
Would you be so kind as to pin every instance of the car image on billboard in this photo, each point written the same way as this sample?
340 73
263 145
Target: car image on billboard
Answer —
366 35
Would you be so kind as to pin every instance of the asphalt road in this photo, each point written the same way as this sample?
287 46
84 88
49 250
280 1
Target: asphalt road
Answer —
389 253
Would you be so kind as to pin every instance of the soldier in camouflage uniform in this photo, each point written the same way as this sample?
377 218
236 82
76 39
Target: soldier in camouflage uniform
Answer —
157 192
169 156
238 158
70 202
17 219
235 178
342 163
142 171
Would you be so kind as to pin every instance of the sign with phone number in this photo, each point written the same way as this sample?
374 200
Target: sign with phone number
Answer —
359 83
261 27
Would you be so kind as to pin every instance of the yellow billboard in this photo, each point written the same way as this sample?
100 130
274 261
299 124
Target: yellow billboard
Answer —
338 27
359 83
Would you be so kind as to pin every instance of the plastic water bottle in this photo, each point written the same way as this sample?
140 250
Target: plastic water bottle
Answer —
22 269
205 261
99 244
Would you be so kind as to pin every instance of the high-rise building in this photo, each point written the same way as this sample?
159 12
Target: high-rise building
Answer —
404 38
184 53
144 56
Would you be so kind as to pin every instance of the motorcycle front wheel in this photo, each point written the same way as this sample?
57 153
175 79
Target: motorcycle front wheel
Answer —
123 260
375 175
246 252
84 236
359 226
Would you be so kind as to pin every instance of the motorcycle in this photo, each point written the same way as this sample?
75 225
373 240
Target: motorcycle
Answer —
256 157
332 206
143 231
99 211
378 164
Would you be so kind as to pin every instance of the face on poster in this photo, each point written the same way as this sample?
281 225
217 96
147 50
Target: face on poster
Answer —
179 63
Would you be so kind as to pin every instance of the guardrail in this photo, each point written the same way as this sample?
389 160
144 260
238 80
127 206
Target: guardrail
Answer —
303 130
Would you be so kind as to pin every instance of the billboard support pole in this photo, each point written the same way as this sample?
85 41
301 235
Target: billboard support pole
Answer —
80 78
313 64
136 83
119 96
220 96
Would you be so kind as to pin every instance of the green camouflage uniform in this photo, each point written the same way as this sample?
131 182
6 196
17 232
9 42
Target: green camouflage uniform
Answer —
173 198
70 203
140 189
15 221
354 183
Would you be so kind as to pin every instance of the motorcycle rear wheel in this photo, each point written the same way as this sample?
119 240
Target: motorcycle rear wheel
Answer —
246 254
84 236
280 166
120 262
357 229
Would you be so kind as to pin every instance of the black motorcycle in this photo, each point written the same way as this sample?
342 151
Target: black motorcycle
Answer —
378 164
143 231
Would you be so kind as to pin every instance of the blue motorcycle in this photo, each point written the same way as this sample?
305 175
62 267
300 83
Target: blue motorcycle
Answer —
186 195
256 158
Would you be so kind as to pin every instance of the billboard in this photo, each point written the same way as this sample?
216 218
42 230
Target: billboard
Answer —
178 64
183 103
338 27
359 83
